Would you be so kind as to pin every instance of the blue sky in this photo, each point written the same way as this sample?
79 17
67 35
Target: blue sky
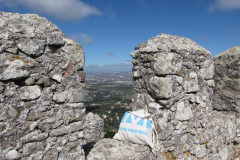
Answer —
109 30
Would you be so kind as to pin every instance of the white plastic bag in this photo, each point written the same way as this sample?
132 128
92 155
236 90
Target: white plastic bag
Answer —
135 128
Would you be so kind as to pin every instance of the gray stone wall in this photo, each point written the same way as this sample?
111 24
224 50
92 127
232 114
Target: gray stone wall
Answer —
227 79
42 92
173 80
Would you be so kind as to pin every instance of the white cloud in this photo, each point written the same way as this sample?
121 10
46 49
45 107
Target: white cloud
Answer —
127 63
118 67
205 37
85 38
225 5
111 13
92 66
142 3
110 53
81 38
60 9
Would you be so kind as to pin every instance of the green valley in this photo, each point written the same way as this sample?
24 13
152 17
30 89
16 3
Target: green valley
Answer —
109 96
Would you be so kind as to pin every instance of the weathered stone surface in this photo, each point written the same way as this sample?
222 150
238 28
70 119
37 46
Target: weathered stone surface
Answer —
200 151
114 149
207 73
153 107
57 77
191 85
34 136
74 105
160 87
79 95
13 154
74 51
167 64
15 70
73 96
29 92
51 154
33 48
230 52
183 112
67 129
82 75
42 94
94 128
221 103
61 97
227 77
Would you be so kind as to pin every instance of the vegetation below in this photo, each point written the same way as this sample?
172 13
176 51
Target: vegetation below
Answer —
110 101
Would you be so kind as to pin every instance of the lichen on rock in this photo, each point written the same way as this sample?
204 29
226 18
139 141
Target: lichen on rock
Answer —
42 92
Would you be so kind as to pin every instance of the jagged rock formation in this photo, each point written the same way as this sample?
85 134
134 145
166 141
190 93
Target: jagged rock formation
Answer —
227 81
42 92
173 81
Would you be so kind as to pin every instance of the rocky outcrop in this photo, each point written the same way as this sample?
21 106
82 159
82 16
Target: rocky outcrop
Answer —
175 84
173 81
227 78
42 92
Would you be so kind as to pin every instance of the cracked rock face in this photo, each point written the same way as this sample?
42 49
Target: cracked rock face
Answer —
42 92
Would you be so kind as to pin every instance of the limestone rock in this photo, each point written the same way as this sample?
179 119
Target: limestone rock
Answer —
177 91
227 77
74 51
207 73
57 77
67 129
13 154
94 128
15 70
74 105
232 51
79 95
192 84
82 75
29 92
114 149
167 64
183 112
34 136
42 92
61 97
160 87
33 48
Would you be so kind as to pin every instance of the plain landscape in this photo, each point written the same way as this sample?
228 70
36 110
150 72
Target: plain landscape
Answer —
109 96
